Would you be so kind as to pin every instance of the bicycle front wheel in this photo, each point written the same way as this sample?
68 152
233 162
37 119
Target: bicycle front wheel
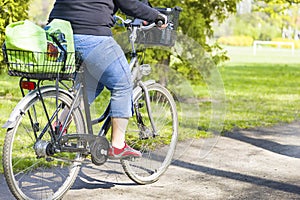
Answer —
157 146
29 176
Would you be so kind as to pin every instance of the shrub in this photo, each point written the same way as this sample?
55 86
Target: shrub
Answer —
11 11
236 40
296 42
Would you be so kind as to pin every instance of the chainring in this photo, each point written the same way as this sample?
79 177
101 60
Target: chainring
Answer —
99 150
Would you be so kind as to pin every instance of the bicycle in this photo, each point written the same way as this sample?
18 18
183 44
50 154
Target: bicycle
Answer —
42 160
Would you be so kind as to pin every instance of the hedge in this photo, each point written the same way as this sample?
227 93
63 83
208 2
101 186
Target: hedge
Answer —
296 42
11 11
236 40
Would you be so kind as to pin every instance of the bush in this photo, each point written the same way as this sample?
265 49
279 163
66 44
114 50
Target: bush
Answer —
236 40
11 11
296 42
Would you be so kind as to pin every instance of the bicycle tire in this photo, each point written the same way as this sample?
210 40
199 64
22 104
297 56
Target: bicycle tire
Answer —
157 151
27 176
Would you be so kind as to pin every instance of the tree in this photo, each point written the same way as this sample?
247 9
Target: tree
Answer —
264 22
11 11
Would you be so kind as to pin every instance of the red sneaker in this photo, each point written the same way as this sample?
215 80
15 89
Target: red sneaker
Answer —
60 127
124 153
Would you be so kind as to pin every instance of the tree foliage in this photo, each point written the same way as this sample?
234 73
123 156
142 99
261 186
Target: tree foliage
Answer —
11 11
197 16
265 22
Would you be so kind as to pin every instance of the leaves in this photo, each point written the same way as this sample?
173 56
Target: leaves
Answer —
11 11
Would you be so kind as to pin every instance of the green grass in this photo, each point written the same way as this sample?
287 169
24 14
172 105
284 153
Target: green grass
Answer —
265 55
261 94
261 89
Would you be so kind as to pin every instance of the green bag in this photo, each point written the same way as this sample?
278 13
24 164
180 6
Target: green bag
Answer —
25 36
60 46
32 49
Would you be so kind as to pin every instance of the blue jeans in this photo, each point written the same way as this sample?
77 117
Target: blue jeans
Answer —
106 66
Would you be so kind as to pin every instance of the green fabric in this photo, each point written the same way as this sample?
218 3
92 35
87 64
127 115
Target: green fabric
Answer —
34 43
27 36
61 28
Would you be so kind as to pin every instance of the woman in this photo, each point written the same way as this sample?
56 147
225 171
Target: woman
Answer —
106 63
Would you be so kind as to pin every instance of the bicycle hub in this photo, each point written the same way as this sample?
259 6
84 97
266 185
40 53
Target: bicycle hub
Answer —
43 148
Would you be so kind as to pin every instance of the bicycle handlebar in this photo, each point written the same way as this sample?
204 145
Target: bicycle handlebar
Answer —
138 23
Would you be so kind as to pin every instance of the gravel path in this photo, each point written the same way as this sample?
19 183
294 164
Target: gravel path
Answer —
261 163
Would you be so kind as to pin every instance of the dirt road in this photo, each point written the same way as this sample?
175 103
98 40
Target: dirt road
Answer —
261 163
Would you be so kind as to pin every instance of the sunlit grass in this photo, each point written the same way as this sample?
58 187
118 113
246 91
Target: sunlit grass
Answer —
261 90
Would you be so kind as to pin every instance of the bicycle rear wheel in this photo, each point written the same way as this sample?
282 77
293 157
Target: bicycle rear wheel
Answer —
47 177
157 148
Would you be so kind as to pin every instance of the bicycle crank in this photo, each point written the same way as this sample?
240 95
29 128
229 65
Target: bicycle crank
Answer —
99 150
99 146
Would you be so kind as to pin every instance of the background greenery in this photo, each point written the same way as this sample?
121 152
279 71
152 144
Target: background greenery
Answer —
11 11
266 21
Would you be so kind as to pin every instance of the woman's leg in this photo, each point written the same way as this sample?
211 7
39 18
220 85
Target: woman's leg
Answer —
119 126
108 64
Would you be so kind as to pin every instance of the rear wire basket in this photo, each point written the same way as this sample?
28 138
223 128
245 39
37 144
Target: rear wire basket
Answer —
41 65
161 37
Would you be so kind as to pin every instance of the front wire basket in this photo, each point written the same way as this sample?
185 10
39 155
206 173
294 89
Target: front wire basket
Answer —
41 65
161 37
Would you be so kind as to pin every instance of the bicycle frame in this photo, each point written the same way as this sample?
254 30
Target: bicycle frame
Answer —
81 96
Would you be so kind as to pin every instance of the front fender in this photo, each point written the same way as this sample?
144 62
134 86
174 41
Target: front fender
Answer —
138 89
19 109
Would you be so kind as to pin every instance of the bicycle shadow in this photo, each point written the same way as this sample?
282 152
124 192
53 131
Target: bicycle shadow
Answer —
105 176
4 191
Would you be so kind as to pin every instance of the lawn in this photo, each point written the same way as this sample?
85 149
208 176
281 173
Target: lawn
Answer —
261 94
264 55
261 89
